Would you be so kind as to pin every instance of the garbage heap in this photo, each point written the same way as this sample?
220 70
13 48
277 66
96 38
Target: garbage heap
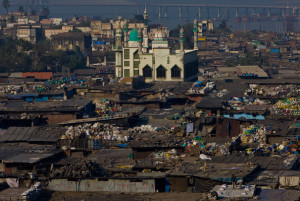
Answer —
106 108
96 131
38 88
255 134
198 145
72 81
240 101
290 106
12 89
281 91
82 169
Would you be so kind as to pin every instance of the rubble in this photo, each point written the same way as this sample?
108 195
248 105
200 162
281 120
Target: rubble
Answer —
81 169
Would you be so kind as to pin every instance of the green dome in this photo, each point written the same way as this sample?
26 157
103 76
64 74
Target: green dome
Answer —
133 36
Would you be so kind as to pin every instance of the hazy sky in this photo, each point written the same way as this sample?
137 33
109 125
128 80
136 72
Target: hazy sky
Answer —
243 2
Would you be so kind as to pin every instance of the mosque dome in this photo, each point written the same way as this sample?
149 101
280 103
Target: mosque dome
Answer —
133 36
160 35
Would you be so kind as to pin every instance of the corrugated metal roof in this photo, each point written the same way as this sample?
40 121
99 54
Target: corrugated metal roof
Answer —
265 162
38 75
18 134
28 157
32 134
45 134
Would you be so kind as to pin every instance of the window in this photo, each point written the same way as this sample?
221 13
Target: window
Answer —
136 64
175 72
136 72
161 72
126 54
136 55
126 63
168 60
126 73
147 71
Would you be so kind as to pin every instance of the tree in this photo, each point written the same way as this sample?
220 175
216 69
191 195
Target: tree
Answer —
223 28
6 5
45 12
12 19
188 35
21 9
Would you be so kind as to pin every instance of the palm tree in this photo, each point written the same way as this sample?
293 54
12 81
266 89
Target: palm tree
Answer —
6 5
21 9
45 12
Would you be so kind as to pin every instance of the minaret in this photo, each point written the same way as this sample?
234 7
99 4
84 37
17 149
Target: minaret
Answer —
140 41
118 48
125 31
181 40
195 30
118 38
145 34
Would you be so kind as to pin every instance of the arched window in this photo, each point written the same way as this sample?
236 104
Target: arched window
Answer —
161 72
175 72
147 71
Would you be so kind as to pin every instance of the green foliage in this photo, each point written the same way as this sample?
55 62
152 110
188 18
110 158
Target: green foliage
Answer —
223 28
76 30
84 24
188 34
12 19
45 12
21 9
249 59
20 55
6 5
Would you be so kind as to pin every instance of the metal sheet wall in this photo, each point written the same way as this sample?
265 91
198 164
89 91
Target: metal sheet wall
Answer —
113 185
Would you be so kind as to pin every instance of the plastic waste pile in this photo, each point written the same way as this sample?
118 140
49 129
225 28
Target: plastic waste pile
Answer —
72 81
105 108
96 131
281 91
38 88
144 128
238 101
255 134
290 106
172 154
208 149
284 148
12 89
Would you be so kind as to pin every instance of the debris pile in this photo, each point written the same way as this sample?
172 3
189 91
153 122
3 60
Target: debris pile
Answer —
105 108
290 106
239 101
95 131
255 134
72 81
82 169
281 91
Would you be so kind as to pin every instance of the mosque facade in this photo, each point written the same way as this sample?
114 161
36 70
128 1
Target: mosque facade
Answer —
136 55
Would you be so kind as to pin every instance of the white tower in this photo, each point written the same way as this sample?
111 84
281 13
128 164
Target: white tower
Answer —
145 34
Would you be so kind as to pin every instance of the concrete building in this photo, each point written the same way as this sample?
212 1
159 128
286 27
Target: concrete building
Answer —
64 29
204 27
134 56
29 33
71 40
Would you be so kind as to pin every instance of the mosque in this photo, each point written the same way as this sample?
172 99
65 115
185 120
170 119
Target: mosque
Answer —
155 60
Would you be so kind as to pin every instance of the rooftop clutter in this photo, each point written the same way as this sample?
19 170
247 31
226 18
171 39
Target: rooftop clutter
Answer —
281 91
255 134
290 106
65 81
106 108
